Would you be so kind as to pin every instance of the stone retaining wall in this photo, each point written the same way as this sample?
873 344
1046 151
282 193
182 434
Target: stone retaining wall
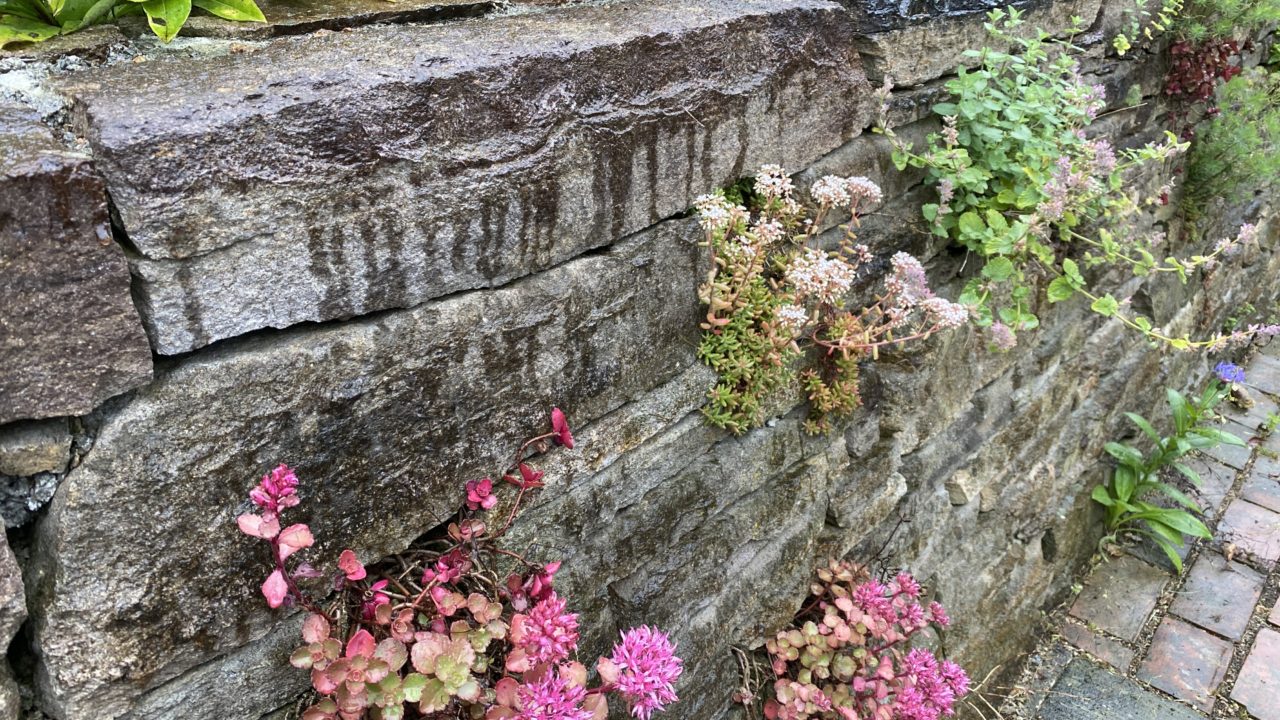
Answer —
381 254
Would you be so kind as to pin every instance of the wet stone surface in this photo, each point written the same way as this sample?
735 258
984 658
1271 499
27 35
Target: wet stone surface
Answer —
69 333
1088 692
440 158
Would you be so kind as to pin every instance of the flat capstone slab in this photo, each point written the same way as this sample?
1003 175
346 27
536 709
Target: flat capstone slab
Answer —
393 164
1086 691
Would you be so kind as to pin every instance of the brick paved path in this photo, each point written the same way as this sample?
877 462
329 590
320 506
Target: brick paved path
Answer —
1203 644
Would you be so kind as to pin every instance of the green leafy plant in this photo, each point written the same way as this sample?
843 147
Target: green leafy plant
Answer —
1143 25
1237 153
775 299
23 21
1269 425
1022 185
1202 19
1137 476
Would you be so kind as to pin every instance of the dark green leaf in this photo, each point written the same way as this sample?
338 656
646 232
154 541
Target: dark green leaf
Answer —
239 10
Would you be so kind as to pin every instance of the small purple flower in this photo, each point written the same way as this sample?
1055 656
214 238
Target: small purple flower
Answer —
647 670
1229 372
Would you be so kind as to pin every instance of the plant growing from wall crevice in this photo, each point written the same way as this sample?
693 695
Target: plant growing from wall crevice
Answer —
1136 480
780 309
1023 186
438 632
848 654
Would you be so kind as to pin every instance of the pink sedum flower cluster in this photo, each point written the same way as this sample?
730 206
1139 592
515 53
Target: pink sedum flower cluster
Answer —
848 655
645 670
459 642
548 634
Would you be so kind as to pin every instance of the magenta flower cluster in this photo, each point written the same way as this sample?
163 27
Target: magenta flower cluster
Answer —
849 656
552 698
647 669
550 633
459 642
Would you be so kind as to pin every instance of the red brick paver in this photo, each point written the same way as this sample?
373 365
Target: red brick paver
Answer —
1258 687
1119 595
1104 648
1219 596
1252 528
1186 662
1262 490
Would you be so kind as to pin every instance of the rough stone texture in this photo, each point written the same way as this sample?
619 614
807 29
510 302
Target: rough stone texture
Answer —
69 335
1088 692
443 158
13 612
661 519
1258 685
1219 596
294 18
392 409
911 53
1119 595
34 447
1186 662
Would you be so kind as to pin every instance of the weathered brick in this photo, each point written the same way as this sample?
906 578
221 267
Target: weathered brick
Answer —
1119 595
1219 596
1186 662
1258 685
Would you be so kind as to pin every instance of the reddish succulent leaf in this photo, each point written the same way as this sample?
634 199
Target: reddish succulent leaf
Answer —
393 653
608 671
597 705
350 566
275 589
315 628
323 682
256 526
505 691
295 538
560 425
361 644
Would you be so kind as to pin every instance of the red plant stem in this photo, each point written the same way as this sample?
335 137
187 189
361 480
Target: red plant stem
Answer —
291 584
